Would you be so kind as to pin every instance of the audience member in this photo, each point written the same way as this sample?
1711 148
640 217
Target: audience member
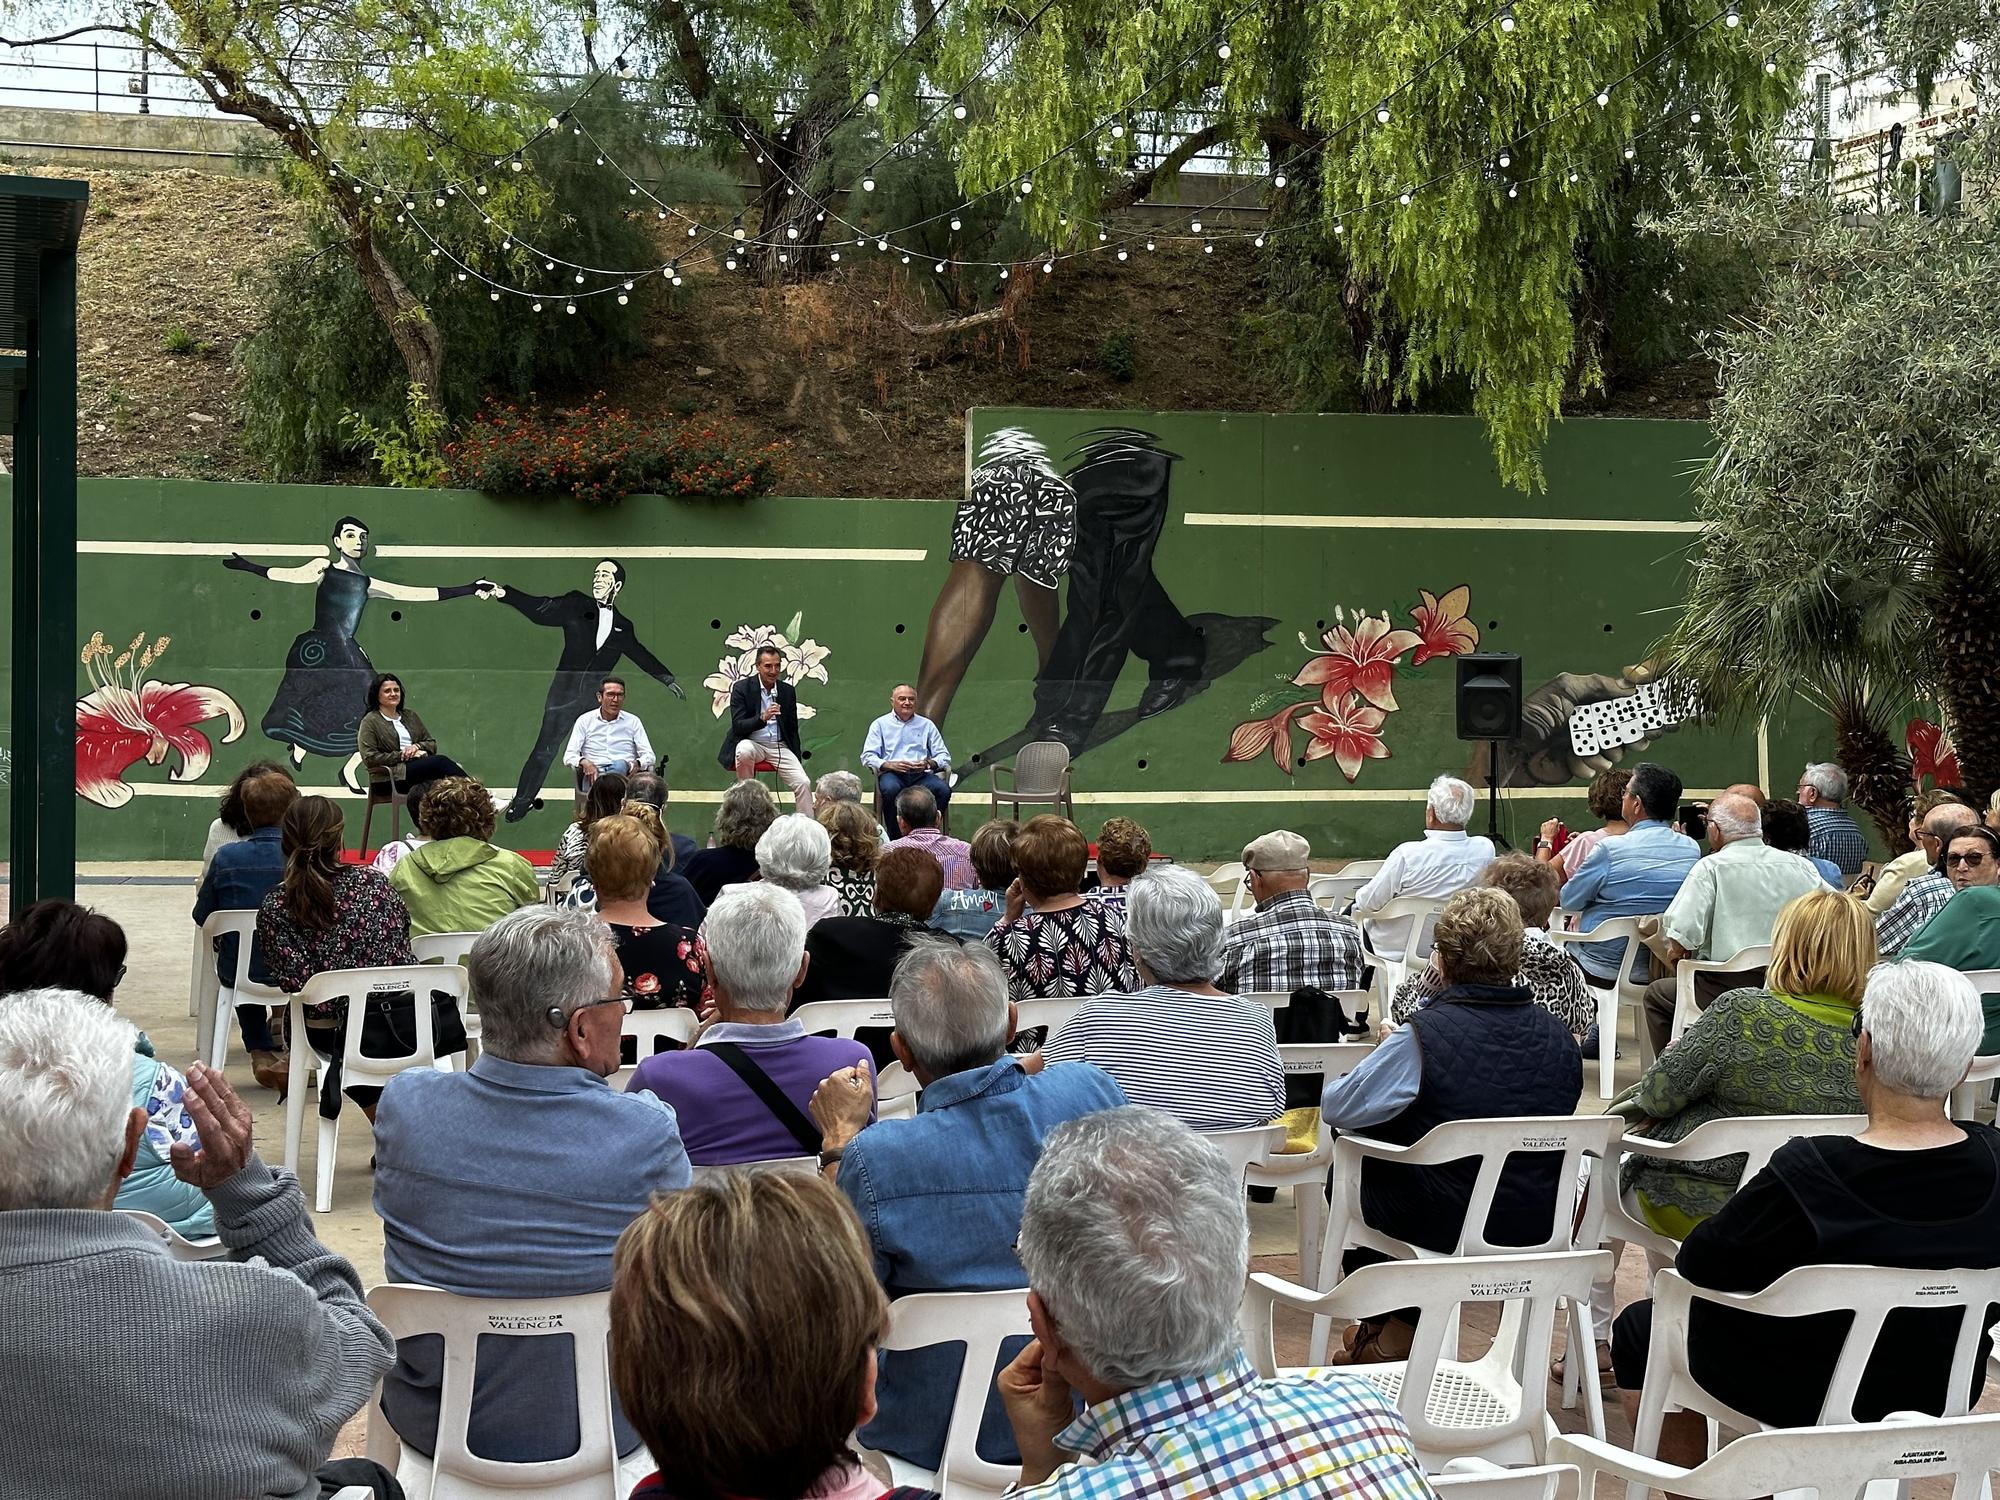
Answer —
1914 1190
670 898
60 946
853 957
393 742
1180 1044
231 821
1923 895
844 786
797 854
1787 827
1729 902
1445 860
1547 972
1965 934
329 915
650 787
1634 874
606 795
973 912
741 1381
917 820
1136 1245
391 854
853 844
1993 811
1508 1056
904 749
939 1195
1607 805
741 1092
1124 849
1888 881
461 881
747 809
660 961
516 1177
274 1348
1052 942
238 878
1835 834
1751 790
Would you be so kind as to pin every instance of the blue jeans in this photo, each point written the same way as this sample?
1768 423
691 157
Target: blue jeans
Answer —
622 767
889 783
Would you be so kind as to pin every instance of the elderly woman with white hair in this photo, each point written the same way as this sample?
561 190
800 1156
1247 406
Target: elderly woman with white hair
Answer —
796 854
1915 1189
1444 861
1179 1043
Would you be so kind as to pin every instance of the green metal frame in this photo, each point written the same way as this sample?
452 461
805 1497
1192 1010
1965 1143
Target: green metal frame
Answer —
41 220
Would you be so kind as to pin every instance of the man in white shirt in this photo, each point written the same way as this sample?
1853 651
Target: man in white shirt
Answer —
904 749
607 739
1442 863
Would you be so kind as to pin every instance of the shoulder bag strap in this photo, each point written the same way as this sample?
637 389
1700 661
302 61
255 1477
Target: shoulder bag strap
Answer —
776 1100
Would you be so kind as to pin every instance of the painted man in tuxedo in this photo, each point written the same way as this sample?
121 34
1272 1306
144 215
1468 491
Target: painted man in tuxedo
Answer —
595 638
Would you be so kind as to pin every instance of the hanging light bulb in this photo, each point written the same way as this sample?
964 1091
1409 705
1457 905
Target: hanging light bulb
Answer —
538 307
1506 157
835 255
1195 224
906 260
482 190
1207 248
1123 254
570 308
881 244
628 286
870 99
1694 117
623 299
1771 63
938 267
1149 244
736 228
1404 199
820 217
955 224
867 184
957 107
1279 180
1027 187
1604 96
516 164
548 265
1507 19
1630 151
493 296
461 275
1339 227
1382 113
437 202
378 197
555 122
784 259
1513 190
600 161
791 231
1258 242
1117 132
1048 266
1573 174
1732 17
729 263
1003 273
579 278
1222 51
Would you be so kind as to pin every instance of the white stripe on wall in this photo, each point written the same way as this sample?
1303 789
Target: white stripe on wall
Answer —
1275 520
745 554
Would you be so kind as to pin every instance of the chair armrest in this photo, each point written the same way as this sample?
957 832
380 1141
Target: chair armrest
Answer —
1594 1454
1367 1145
996 772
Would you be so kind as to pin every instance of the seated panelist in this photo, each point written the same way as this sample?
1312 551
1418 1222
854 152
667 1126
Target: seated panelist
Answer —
904 749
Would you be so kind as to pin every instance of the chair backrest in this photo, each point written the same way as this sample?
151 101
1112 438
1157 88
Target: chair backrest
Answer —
357 986
1529 1286
1246 1146
1685 1010
1756 1137
1476 1479
407 1310
178 1245
443 947
981 1321
895 1093
649 1028
1039 767
1611 929
805 1166
1365 868
1835 1463
1869 1293
1323 1060
1272 1000
1231 882
1054 1014
1415 918
1334 891
843 1017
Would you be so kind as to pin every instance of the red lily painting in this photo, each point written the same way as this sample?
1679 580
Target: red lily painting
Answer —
127 718
1361 661
1442 628
1350 732
1932 754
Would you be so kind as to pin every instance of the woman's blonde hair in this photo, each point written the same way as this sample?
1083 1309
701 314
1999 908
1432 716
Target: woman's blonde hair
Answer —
1478 937
856 840
1823 944
744 1314
621 858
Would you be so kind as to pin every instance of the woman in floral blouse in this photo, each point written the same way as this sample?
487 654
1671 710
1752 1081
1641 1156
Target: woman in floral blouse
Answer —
328 915
662 960
1052 942
856 843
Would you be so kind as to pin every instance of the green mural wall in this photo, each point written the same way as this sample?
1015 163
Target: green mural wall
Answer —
1275 531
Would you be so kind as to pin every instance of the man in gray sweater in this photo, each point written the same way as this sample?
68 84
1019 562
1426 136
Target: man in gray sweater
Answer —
123 1371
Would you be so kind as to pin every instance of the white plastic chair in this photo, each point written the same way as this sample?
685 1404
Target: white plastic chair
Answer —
1623 990
1246 1144
1333 892
648 1028
1365 868
356 1066
1477 1479
178 1245
895 1093
1272 1000
1965 1098
1494 1407
1231 882
1304 1172
1409 922
1686 1013
591 1473
215 1002
451 948
982 1321
805 1166
844 1017
1869 1293
1834 1462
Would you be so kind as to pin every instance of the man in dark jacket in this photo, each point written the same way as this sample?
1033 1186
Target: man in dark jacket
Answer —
764 727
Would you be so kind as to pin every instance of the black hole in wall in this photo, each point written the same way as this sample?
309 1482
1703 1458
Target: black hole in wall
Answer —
1492 624
1320 625
899 630
1201 630
395 614
256 614
975 759
807 756
1142 762
1607 630
1022 627
715 624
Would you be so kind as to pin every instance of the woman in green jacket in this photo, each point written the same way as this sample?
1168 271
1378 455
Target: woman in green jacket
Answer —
459 882
393 742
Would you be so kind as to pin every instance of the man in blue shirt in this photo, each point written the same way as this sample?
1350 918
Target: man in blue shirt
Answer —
904 748
238 879
940 1194
516 1178
1835 834
1633 874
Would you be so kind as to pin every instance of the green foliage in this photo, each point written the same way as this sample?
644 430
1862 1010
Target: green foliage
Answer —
410 455
178 340
1117 356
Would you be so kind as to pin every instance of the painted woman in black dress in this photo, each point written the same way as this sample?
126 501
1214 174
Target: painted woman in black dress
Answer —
319 705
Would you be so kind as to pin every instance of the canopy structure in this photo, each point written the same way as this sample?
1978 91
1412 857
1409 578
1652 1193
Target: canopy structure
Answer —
40 222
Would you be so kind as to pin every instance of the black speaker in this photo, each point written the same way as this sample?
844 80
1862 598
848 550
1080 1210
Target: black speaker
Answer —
1489 695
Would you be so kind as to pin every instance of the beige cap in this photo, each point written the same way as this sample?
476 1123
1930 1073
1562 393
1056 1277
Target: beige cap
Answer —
1277 852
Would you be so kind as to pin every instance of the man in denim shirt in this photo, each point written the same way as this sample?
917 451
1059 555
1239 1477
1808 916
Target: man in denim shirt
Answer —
1635 874
940 1195
238 879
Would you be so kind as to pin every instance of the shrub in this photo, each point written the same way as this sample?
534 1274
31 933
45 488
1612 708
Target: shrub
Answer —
411 455
600 454
1118 356
180 341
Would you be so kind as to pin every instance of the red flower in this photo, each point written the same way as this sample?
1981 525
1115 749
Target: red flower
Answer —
126 720
1253 737
1931 754
1442 627
1363 662
1349 731
646 984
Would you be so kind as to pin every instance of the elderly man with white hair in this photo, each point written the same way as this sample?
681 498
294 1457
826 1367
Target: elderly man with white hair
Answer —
516 1177
124 1371
1835 834
743 1089
841 786
1136 1245
940 1194
1730 901
1444 861
796 854
1180 1044
1916 1189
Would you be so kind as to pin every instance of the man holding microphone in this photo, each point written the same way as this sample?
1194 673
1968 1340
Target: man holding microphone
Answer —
764 725
904 749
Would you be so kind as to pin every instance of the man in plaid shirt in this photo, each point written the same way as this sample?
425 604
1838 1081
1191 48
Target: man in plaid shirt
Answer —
1835 834
1136 1245
1924 896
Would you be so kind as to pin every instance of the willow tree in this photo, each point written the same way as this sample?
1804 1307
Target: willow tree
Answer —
1474 283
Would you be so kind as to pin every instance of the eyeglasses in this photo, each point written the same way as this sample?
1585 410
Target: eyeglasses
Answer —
559 1018
1855 1030
1971 861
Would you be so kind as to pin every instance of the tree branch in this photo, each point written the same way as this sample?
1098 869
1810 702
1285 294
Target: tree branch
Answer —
997 313
1139 184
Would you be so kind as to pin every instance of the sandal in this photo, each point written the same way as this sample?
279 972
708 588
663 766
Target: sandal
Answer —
1374 1342
1604 1374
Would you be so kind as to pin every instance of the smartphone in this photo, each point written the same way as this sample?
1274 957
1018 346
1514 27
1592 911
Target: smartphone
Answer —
1561 838
1693 818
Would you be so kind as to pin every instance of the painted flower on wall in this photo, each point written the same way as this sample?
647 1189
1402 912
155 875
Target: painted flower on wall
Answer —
1354 672
1932 754
127 718
803 659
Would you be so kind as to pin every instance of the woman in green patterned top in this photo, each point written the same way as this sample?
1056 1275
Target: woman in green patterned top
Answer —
1786 1049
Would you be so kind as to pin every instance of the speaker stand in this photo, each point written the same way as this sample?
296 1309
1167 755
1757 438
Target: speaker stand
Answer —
1493 749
